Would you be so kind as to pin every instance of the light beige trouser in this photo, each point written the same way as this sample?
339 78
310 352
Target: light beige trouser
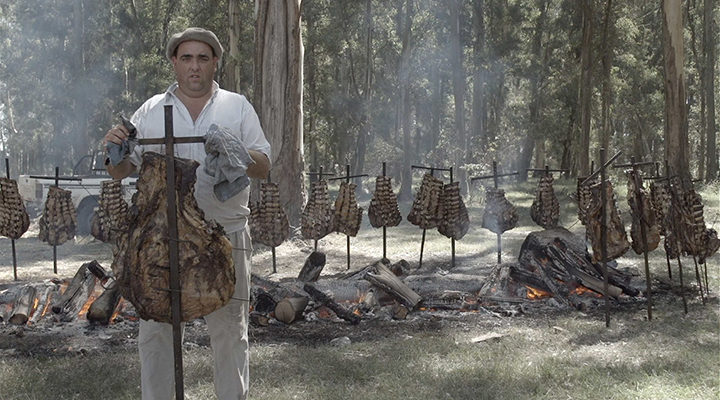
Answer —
228 337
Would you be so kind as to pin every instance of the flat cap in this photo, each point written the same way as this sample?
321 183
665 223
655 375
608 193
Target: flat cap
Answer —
194 33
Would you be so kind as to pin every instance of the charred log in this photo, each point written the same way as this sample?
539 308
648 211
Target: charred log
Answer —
102 309
23 306
312 268
379 275
321 298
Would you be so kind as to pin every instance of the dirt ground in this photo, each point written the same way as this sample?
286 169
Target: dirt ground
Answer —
476 251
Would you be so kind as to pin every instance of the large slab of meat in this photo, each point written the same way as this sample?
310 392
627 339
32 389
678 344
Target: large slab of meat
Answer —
425 209
110 217
500 215
454 221
617 243
14 219
642 212
316 220
207 274
545 209
59 218
347 215
383 209
269 224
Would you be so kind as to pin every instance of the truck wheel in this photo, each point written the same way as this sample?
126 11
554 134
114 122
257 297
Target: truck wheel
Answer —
85 212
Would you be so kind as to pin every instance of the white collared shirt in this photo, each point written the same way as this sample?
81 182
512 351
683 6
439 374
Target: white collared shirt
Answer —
226 109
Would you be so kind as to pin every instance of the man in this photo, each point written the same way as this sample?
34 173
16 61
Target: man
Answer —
198 103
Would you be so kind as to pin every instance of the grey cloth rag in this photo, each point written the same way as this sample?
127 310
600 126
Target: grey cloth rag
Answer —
227 161
118 152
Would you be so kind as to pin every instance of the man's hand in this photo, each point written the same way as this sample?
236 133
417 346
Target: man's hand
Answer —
116 135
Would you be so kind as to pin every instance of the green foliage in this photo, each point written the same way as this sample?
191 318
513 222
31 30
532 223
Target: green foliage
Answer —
69 66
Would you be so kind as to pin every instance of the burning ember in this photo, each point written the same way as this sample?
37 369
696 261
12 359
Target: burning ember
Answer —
536 294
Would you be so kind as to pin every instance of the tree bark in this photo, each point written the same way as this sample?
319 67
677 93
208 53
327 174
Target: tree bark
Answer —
709 47
607 50
458 75
278 96
479 103
676 136
232 55
405 192
586 63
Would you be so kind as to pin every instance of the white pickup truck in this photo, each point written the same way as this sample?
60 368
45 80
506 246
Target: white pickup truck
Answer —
85 184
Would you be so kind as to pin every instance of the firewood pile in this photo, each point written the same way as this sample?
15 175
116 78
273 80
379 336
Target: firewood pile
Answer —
642 213
347 215
59 218
207 273
426 205
14 219
268 222
316 220
617 243
383 210
454 221
500 215
110 217
545 209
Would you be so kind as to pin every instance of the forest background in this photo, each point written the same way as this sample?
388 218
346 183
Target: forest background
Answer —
461 83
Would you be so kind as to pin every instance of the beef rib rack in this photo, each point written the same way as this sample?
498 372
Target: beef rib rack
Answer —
545 209
316 220
269 224
14 219
59 218
383 209
207 273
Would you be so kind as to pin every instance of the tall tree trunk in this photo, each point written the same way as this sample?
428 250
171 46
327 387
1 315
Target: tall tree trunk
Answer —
586 88
709 47
700 150
676 137
458 74
278 96
607 50
479 103
536 75
232 55
404 75
364 134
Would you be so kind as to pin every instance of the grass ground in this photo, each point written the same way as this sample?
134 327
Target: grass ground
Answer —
553 355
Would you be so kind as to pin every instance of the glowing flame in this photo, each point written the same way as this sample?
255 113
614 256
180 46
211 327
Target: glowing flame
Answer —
357 312
118 309
580 290
535 294
48 301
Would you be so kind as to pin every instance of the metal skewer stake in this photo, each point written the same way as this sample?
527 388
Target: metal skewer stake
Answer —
12 241
674 199
57 177
432 173
320 175
643 232
495 177
347 178
603 235
384 171
173 252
